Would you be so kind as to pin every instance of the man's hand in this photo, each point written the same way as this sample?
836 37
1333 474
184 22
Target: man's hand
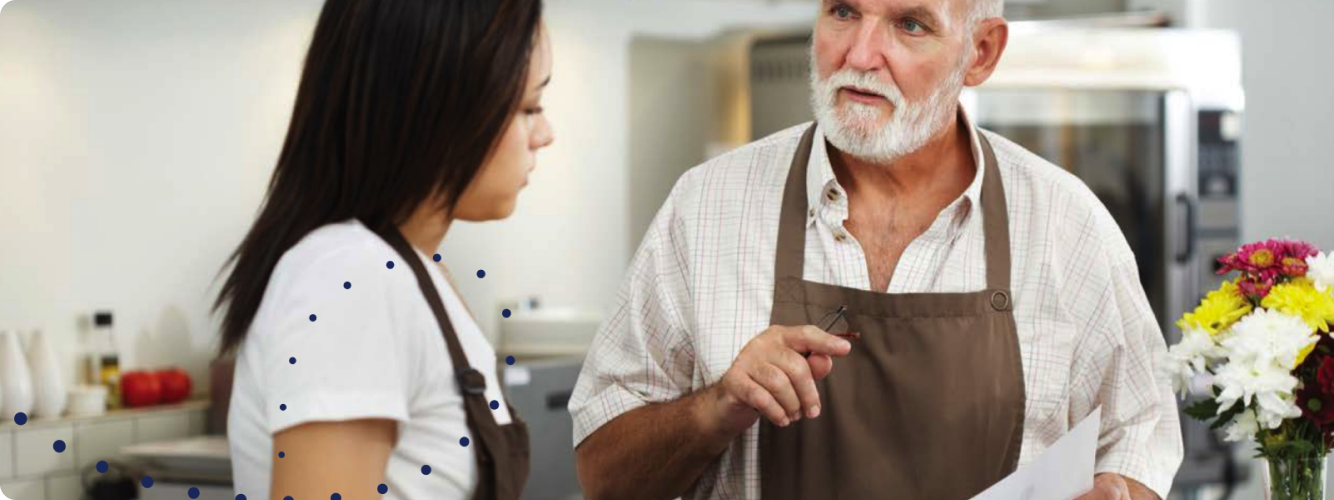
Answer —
1109 486
775 376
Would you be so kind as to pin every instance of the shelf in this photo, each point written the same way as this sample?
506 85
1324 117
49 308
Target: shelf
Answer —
7 424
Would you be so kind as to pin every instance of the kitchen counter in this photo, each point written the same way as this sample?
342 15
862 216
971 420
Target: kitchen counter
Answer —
30 469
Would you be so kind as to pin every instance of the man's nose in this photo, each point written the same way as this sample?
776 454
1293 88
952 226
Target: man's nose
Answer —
868 47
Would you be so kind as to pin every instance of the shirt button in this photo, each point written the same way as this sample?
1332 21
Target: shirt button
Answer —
839 237
832 195
810 213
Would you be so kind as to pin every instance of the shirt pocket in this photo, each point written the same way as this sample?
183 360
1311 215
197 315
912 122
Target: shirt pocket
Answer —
1048 358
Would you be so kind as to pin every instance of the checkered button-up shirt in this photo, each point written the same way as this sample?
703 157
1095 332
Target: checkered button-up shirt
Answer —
701 286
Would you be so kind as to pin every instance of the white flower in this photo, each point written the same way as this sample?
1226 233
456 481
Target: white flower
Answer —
1243 427
1268 340
1321 271
1191 357
1262 351
1275 407
1269 386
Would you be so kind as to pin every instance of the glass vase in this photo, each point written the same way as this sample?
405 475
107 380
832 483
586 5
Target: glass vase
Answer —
1295 479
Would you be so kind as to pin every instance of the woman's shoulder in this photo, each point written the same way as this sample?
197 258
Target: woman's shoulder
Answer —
347 249
338 270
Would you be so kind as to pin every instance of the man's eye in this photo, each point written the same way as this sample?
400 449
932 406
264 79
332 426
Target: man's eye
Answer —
842 12
912 26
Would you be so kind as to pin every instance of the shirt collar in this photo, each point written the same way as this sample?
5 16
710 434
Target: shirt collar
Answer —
822 187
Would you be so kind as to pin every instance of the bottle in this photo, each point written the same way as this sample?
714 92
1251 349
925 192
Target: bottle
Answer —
103 358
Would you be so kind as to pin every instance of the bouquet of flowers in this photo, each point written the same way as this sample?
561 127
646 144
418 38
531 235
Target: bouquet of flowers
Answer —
1261 344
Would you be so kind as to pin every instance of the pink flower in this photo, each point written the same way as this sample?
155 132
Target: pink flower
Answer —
1264 261
1294 267
1255 290
1298 249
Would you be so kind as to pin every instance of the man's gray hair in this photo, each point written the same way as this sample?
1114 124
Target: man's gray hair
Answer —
984 9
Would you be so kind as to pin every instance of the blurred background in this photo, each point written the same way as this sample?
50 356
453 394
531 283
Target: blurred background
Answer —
137 138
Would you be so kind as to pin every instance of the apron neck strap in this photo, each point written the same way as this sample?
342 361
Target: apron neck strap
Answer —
790 260
995 220
469 379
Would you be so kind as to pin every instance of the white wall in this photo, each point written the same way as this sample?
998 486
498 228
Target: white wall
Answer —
1288 148
135 141
136 138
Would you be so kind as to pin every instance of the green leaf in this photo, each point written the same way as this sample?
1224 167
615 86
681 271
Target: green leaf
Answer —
1204 409
1227 416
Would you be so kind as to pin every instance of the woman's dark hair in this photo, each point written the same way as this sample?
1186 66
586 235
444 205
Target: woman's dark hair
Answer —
400 102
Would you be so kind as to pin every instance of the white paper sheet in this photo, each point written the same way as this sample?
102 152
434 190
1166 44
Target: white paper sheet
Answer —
1063 472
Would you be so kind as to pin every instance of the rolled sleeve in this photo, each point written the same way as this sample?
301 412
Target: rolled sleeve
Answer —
642 353
1140 437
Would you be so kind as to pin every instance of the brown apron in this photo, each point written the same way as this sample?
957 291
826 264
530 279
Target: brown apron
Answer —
502 451
930 402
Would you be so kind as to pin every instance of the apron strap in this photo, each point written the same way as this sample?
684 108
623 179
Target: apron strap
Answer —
471 381
790 260
996 225
791 257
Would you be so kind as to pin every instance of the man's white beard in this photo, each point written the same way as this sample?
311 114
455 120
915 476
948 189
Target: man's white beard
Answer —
855 128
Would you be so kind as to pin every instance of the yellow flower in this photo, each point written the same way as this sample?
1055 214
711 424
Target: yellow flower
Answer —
1218 311
1300 298
1306 351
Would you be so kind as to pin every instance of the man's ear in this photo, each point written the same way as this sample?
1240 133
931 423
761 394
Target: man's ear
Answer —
989 39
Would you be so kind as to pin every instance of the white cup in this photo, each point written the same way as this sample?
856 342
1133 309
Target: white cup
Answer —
87 401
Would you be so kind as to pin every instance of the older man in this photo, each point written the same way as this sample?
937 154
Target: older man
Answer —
889 304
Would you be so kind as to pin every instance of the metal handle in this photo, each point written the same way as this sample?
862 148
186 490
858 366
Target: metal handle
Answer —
1183 255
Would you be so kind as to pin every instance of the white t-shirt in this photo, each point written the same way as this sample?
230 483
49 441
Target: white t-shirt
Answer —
374 350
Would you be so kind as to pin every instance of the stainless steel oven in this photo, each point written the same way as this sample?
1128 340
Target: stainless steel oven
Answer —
1149 119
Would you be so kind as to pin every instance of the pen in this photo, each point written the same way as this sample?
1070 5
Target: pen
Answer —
834 320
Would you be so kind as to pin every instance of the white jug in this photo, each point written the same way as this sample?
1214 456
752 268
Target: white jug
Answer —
48 382
15 380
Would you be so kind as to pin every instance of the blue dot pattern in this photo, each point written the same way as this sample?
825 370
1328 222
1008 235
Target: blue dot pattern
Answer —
194 492
240 497
59 446
102 467
20 418
147 482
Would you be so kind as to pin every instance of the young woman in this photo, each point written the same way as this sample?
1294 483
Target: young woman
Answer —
360 371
